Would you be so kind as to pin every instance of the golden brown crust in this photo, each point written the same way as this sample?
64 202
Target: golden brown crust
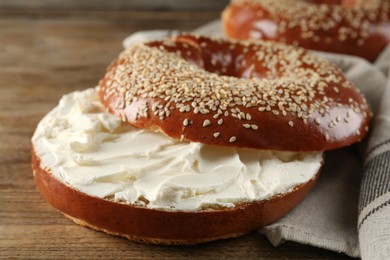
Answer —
279 98
163 227
168 242
360 28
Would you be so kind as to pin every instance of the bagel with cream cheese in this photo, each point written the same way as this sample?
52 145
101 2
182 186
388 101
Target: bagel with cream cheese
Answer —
354 27
193 139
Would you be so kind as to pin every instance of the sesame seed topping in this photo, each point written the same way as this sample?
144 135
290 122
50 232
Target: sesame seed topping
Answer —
232 139
312 19
143 73
206 123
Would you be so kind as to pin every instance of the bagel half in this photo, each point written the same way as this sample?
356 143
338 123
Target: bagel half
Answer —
139 156
161 226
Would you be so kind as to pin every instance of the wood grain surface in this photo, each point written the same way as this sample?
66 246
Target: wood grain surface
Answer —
43 55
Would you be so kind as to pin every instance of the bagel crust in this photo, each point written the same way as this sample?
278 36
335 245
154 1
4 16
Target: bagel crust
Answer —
258 95
160 226
360 28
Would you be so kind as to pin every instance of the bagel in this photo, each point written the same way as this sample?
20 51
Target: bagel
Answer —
139 157
354 27
268 90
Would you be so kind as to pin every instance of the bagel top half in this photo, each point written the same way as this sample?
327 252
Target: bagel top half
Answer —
258 95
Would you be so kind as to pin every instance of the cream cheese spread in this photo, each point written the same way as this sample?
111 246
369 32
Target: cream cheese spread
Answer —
91 150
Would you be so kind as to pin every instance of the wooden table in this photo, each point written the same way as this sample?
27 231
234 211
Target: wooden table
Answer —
43 55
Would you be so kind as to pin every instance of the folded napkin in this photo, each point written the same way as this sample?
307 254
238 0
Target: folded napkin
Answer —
349 208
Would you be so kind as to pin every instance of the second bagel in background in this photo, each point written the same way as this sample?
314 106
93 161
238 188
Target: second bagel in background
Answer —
359 28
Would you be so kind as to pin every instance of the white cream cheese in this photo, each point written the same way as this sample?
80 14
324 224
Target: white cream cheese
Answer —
91 150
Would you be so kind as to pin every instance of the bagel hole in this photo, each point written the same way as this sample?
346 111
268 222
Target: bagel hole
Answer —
218 59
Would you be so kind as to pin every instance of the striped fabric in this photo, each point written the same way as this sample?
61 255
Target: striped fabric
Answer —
374 201
376 180
348 210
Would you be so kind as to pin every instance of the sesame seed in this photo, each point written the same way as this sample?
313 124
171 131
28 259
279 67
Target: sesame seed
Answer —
216 134
291 123
206 123
220 121
186 122
254 127
232 139
246 125
317 121
196 110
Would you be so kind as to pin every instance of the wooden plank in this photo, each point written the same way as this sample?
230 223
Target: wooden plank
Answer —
69 241
40 60
156 5
122 16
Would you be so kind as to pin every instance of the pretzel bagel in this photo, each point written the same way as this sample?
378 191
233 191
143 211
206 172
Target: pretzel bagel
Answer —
110 157
259 95
355 27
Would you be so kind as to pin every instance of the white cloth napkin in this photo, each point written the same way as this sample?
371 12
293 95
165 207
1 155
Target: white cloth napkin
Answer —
349 208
